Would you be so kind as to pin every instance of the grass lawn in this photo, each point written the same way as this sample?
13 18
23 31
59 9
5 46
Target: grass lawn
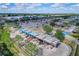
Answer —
77 51
72 45
15 50
31 49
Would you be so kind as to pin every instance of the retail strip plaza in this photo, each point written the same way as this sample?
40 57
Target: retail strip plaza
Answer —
31 39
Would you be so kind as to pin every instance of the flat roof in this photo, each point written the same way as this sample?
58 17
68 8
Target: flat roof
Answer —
50 39
41 36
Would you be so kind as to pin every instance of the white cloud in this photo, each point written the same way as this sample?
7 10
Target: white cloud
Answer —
33 5
23 7
31 8
4 6
57 5
7 4
75 5
28 4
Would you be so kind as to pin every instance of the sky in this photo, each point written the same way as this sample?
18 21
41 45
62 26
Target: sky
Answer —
39 8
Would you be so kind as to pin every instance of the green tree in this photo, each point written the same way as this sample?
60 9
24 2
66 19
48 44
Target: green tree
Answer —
75 35
47 28
25 19
66 23
59 35
18 37
5 36
77 24
52 23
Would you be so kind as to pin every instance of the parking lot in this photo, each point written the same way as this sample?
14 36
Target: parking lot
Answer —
45 48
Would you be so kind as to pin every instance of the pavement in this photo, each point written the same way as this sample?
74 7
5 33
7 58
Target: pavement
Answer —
77 42
62 50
